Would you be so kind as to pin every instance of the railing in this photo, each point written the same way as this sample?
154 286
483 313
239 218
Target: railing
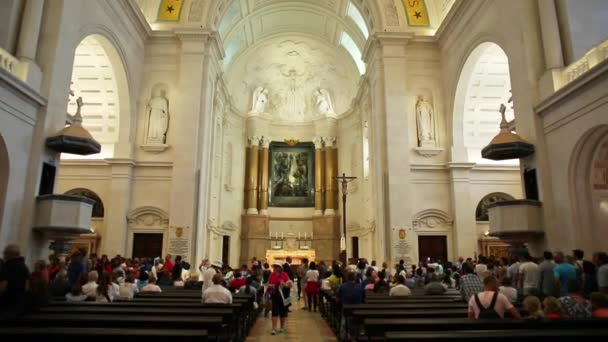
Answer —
593 57
8 62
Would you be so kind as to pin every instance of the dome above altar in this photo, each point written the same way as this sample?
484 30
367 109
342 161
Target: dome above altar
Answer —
304 79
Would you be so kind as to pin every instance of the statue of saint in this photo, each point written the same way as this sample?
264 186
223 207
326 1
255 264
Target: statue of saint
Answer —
424 120
294 98
323 102
260 100
158 123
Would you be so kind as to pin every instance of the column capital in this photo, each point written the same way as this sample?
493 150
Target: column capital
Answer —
318 141
383 39
253 140
265 142
330 141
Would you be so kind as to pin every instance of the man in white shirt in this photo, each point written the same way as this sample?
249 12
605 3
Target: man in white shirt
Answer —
216 293
90 288
528 276
487 297
400 290
481 268
209 273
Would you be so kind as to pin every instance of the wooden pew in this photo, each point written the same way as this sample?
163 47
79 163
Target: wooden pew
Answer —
499 335
78 334
377 327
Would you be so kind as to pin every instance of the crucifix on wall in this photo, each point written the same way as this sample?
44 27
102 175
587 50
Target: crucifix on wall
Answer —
344 180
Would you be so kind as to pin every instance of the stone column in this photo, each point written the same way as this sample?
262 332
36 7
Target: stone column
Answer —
331 170
465 228
115 238
319 179
251 175
263 181
390 147
28 42
550 32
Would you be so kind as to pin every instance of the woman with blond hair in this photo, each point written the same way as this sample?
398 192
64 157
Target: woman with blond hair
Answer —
533 306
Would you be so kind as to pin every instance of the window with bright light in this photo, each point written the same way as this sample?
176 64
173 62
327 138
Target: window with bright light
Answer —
349 44
353 12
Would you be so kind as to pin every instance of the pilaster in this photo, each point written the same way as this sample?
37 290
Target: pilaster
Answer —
385 54
463 208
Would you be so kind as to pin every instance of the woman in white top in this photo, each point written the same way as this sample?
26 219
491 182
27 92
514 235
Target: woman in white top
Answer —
128 289
151 287
106 290
75 295
312 286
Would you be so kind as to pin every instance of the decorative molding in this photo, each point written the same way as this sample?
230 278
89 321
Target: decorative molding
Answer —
148 216
155 148
432 219
428 152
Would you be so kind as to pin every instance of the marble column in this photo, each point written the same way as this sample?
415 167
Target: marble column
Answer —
550 33
331 188
463 207
319 179
115 238
251 175
385 54
28 42
263 181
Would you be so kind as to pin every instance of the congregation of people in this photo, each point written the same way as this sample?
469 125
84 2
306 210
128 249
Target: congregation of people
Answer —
556 286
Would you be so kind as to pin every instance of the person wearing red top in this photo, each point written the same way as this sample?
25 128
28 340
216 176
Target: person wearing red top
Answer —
238 281
168 265
553 309
599 303
277 282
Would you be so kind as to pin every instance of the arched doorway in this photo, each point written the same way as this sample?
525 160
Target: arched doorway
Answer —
4 176
588 177
90 242
98 76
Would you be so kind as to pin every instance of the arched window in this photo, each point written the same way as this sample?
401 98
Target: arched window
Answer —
484 84
98 210
98 77
481 213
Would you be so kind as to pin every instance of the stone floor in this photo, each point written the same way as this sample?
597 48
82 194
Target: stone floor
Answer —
301 326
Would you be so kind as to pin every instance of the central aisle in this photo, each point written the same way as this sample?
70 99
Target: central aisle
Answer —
301 326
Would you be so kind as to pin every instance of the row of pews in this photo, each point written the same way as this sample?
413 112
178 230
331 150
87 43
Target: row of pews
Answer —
176 312
440 318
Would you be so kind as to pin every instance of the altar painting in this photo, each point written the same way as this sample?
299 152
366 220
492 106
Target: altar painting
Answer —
291 175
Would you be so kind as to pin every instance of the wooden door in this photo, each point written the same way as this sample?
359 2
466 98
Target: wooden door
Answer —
226 250
147 245
435 247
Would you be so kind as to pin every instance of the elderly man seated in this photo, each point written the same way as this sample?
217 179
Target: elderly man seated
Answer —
217 293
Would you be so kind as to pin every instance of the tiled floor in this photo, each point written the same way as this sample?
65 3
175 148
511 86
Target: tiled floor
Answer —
301 326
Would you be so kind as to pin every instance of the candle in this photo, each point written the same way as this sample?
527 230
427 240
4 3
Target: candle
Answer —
281 235
298 235
304 235
311 234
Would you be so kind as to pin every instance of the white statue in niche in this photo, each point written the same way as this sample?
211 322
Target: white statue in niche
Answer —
323 102
424 122
158 117
260 100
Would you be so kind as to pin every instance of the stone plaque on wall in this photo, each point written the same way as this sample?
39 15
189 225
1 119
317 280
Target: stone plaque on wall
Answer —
402 248
179 242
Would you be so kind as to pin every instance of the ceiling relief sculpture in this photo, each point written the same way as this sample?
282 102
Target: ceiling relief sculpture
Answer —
294 74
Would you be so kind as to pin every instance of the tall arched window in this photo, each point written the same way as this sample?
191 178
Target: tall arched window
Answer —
98 77
98 209
484 84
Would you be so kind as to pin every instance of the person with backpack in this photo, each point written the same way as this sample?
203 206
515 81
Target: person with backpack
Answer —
491 304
